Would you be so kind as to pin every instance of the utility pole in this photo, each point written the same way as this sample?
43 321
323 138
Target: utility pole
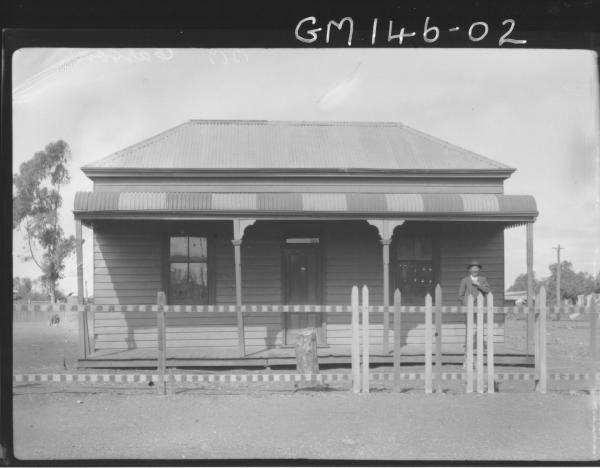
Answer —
558 249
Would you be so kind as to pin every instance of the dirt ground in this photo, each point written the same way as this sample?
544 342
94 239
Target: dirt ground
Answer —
89 424
104 421
568 343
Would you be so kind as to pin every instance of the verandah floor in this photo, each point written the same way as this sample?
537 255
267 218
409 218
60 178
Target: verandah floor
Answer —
283 356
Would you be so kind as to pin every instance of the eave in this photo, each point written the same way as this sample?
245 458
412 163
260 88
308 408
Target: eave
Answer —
242 173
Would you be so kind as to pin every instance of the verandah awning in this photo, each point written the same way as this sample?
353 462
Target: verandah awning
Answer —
163 205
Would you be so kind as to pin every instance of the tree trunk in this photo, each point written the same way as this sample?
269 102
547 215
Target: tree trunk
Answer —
306 352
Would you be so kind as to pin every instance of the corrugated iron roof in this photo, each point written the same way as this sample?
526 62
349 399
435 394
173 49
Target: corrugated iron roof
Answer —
517 207
259 144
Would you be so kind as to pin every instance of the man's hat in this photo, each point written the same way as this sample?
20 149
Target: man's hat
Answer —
474 263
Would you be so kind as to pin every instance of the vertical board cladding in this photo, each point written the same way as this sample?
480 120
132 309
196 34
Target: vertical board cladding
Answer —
462 242
127 263
353 256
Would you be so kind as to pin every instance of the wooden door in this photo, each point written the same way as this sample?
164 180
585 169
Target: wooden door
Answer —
302 287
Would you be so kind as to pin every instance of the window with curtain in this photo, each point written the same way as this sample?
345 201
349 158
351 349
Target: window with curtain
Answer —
188 270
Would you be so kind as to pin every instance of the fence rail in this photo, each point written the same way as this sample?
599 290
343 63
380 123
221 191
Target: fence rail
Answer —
573 313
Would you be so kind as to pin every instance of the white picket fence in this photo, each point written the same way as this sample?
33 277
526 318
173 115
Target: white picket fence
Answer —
479 325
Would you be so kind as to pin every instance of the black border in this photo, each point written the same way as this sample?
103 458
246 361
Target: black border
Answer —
547 24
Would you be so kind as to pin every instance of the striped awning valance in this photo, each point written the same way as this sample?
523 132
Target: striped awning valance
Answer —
408 205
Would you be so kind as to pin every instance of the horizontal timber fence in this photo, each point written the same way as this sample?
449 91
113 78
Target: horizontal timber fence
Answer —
241 330
163 324
248 328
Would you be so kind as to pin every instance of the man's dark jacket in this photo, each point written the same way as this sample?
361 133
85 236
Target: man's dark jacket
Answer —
467 287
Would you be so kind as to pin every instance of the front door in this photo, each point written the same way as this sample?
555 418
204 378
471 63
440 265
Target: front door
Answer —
302 287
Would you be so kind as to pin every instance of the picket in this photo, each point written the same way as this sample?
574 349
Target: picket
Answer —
397 337
542 340
490 341
594 333
536 338
428 344
365 338
355 342
480 319
438 338
162 343
469 350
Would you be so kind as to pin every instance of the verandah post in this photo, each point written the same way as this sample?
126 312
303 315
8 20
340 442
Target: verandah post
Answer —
530 310
438 337
428 344
365 343
536 336
480 339
490 341
90 323
469 350
355 342
386 293
397 337
162 342
81 311
79 255
84 337
238 296
239 226
593 311
542 340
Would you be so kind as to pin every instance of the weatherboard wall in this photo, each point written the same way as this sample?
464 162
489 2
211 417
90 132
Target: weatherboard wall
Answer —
129 259
461 243
128 269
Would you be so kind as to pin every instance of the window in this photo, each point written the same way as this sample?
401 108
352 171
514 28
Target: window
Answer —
188 270
414 266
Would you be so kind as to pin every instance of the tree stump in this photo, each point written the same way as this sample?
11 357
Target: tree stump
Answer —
306 352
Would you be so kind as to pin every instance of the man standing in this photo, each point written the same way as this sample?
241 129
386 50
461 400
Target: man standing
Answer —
473 284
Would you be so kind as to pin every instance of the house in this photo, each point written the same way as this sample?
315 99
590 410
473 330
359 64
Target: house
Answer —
515 298
288 213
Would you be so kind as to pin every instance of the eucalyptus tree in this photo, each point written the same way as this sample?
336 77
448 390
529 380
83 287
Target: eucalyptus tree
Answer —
36 203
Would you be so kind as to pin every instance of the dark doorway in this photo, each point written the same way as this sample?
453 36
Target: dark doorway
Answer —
302 286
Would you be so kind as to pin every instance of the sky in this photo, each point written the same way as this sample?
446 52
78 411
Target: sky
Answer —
535 110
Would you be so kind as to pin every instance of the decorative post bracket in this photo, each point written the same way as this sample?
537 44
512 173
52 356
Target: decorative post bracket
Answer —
386 227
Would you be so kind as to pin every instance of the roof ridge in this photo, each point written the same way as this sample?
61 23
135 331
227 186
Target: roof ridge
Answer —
446 143
329 123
